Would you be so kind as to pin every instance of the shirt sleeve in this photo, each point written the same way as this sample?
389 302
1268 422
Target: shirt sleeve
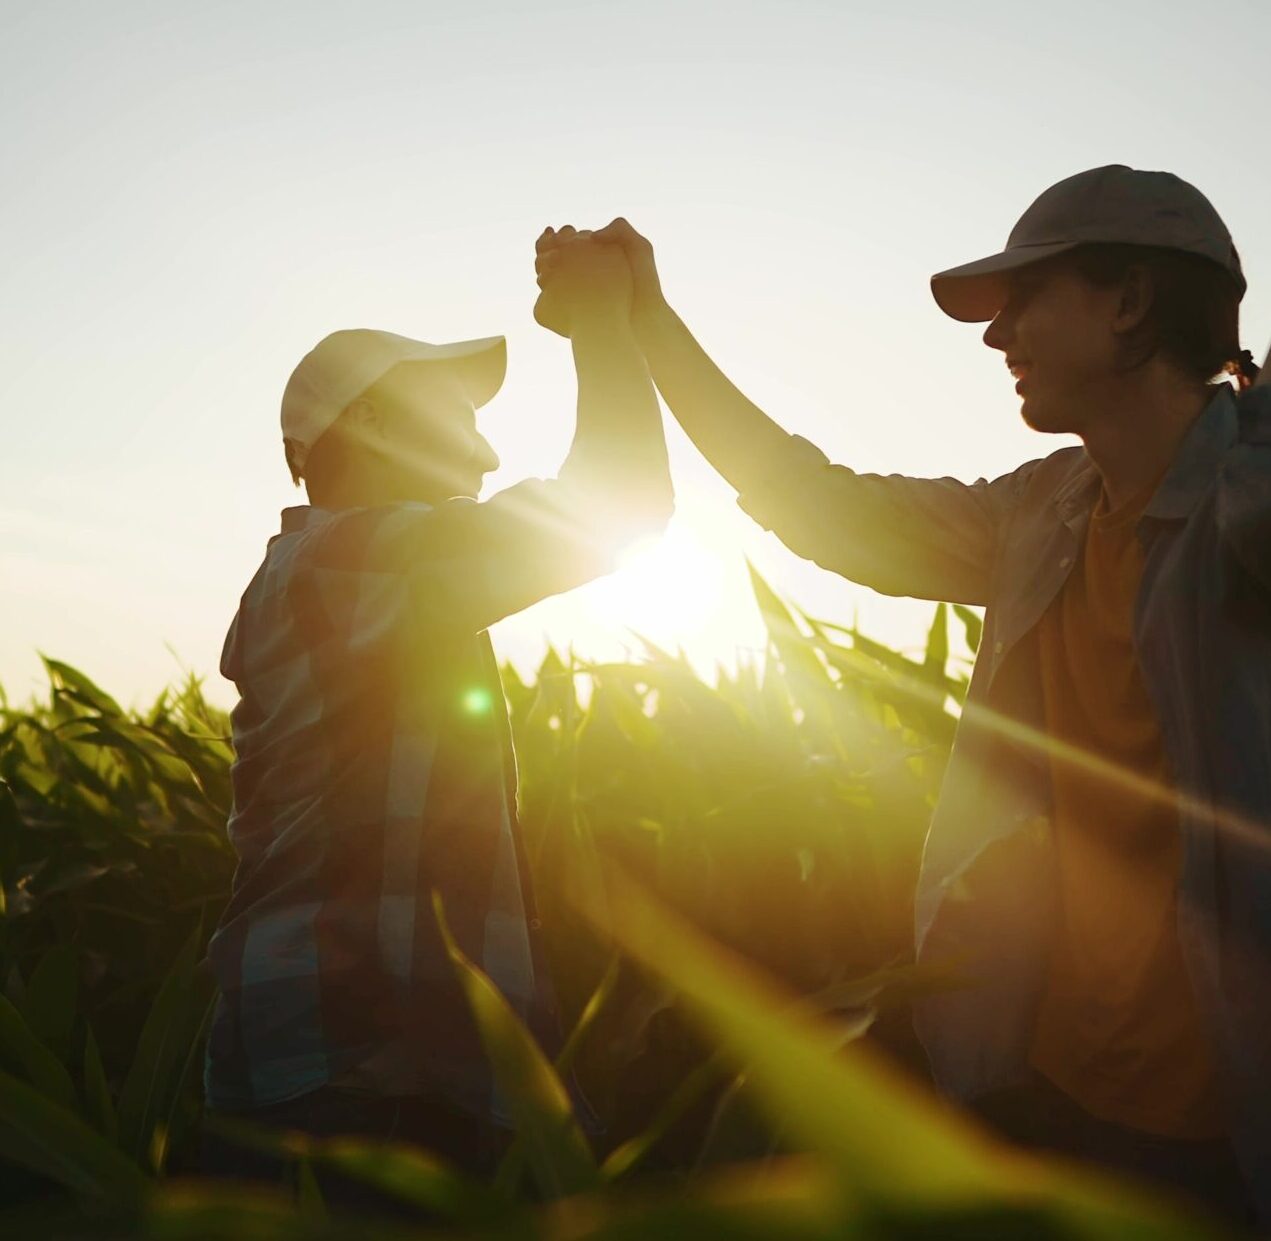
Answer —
368 574
929 538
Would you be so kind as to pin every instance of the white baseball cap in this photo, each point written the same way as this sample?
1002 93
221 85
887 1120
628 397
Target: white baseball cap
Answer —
340 367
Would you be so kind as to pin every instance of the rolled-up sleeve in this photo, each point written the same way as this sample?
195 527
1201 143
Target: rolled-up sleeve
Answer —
929 538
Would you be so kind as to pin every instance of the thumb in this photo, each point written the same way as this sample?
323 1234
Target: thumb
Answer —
620 232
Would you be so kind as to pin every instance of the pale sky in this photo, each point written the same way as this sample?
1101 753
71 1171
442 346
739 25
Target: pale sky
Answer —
194 194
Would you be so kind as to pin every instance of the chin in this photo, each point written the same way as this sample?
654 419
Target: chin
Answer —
1040 418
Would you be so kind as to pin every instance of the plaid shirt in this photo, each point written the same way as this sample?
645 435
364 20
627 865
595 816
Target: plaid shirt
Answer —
374 765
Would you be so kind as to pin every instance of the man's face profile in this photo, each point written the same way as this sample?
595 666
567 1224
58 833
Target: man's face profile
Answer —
1055 331
425 426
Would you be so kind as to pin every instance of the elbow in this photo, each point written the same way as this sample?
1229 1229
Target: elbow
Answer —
657 511
651 510
629 517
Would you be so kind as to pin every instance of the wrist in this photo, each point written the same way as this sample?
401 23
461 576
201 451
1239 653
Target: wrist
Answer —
651 317
600 320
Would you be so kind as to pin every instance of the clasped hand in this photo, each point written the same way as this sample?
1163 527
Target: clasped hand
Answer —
586 273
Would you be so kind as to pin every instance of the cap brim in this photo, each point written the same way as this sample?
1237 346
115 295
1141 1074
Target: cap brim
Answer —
480 364
975 292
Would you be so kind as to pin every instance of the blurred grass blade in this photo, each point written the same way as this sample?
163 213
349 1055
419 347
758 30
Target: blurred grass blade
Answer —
99 1105
972 624
20 1048
309 1199
413 1176
587 1018
160 1064
893 1147
509 1171
75 684
407 1173
881 1133
937 654
50 1004
626 1157
43 1136
555 1148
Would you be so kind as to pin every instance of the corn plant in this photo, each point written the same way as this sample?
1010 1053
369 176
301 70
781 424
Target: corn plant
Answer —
725 877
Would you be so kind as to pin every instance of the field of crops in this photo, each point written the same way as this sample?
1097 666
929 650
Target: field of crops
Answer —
725 878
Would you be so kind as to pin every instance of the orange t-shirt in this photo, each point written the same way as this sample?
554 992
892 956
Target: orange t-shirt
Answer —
1118 1028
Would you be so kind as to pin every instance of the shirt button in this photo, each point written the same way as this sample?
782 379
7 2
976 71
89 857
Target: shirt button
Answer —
535 924
1065 562
997 648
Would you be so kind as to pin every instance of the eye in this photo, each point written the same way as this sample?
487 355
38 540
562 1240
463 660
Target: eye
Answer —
1022 290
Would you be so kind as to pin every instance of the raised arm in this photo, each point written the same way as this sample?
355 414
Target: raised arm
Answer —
931 538
462 565
731 432
617 460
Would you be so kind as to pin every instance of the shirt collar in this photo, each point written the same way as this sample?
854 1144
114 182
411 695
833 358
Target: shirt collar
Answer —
302 516
1197 460
1188 476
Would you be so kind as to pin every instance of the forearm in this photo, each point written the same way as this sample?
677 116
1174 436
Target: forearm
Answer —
729 429
618 455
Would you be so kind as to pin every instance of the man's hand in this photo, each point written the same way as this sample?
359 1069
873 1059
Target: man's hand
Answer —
580 277
647 297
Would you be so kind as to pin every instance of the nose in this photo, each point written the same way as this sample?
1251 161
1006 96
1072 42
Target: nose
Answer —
485 456
998 333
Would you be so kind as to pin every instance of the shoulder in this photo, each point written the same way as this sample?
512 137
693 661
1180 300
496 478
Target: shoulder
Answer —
1245 475
1242 501
1050 477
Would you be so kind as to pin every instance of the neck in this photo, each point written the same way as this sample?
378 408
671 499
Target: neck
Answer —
1134 432
366 489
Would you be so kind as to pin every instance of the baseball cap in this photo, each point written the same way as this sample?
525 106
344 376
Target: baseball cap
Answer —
1113 204
340 367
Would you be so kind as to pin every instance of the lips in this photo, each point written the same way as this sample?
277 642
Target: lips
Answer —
1019 368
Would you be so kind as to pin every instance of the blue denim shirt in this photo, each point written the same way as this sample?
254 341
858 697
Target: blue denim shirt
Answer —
986 896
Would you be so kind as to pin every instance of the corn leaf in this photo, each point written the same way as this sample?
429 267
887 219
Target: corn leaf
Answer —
895 1150
555 1148
20 1047
47 1138
52 994
161 1063
99 1105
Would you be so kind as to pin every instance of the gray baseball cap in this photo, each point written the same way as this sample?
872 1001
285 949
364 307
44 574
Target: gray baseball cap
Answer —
1111 204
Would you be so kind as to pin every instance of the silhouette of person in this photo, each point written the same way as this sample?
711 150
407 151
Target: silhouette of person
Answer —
373 755
1100 849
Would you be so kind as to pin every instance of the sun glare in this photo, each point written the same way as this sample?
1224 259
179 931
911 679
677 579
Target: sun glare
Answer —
685 590
666 584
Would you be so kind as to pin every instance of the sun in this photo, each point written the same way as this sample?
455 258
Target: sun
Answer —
686 590
683 590
666 584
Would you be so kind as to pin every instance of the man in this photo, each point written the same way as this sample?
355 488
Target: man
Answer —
1099 856
373 757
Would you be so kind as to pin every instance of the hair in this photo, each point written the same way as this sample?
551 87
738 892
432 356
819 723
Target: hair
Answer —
291 450
324 463
1194 317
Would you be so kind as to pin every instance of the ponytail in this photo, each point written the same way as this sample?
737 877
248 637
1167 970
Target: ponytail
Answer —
1244 368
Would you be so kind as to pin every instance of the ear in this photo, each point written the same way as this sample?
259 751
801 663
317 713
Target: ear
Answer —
1134 300
363 419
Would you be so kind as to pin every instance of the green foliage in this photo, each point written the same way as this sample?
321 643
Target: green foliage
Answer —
528 1086
686 841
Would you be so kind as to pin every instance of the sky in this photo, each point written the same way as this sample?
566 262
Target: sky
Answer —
195 194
